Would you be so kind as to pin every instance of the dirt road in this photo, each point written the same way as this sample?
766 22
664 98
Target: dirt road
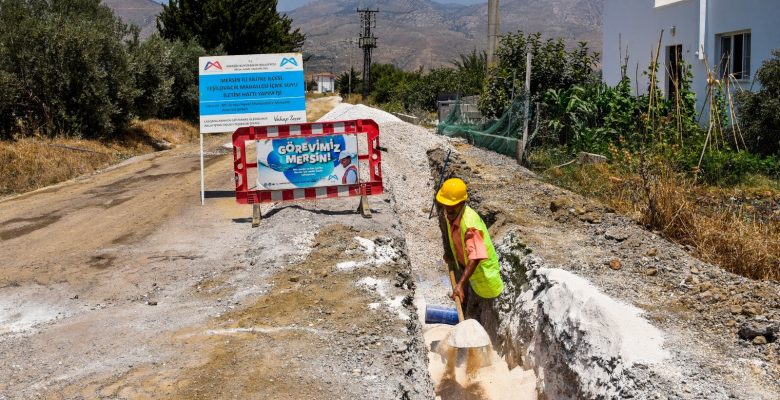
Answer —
121 285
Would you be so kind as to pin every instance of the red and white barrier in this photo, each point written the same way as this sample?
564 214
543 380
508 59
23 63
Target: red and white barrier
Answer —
241 165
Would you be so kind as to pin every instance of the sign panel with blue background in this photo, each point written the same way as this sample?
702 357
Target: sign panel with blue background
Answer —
307 162
251 90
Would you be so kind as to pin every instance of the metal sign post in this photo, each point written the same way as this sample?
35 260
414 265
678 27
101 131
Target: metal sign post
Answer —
202 175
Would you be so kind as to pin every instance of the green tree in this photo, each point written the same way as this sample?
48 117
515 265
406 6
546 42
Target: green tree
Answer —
64 68
388 81
237 26
471 70
553 67
343 82
166 75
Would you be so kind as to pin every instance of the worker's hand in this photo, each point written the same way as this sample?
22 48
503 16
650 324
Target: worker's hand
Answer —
458 291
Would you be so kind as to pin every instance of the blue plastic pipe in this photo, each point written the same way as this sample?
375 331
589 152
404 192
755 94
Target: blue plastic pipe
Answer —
441 315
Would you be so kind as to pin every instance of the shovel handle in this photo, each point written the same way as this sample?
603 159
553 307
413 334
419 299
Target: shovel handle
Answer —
457 298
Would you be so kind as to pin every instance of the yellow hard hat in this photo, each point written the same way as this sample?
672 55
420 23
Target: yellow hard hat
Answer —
452 192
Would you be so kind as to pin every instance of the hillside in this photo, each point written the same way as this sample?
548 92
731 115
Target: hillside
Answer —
139 12
423 33
412 33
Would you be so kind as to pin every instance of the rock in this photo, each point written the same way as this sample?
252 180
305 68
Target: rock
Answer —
651 272
731 323
558 204
652 252
736 309
356 372
580 211
151 303
695 271
759 340
615 235
753 329
589 158
76 297
590 218
295 278
615 264
163 145
751 309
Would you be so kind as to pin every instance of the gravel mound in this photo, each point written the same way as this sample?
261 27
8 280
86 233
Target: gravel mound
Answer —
407 176
345 112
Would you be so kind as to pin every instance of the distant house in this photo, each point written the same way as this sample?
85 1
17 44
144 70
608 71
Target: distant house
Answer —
730 37
326 82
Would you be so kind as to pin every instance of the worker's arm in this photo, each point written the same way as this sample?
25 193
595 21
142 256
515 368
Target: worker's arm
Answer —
467 272
475 252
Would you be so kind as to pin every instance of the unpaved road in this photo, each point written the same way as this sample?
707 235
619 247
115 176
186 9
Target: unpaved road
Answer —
120 285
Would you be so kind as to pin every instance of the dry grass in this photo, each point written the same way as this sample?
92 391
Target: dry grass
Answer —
354 98
316 108
742 235
32 163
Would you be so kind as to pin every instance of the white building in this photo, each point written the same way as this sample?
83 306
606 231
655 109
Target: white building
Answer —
731 36
326 82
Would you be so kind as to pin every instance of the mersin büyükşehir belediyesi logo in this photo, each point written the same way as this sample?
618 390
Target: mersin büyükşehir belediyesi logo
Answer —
213 64
290 60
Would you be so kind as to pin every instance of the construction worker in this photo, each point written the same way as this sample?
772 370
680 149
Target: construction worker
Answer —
347 170
471 248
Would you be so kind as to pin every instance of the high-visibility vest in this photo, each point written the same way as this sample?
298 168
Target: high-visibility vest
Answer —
346 172
486 279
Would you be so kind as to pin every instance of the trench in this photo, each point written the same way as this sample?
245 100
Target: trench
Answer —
552 332
486 373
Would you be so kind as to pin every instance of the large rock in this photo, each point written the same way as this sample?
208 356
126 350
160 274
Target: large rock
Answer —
752 329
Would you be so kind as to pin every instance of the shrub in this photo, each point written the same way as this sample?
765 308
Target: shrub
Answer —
759 113
65 68
553 67
167 78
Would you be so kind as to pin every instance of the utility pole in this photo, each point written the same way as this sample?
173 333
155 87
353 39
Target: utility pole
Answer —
493 31
527 105
367 42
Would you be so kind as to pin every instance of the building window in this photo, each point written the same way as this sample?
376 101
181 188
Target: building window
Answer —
735 55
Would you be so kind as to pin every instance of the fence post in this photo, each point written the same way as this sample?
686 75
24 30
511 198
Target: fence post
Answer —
524 142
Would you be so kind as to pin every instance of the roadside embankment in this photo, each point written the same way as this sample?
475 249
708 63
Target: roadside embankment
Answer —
32 163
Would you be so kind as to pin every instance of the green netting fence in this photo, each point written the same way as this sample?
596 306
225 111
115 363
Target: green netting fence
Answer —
501 135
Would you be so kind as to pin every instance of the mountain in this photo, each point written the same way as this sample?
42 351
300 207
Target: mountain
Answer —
412 33
423 33
139 12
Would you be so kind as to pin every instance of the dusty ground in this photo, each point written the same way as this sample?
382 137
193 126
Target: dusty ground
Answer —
121 285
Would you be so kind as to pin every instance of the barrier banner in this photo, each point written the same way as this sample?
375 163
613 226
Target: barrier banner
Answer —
321 160
307 162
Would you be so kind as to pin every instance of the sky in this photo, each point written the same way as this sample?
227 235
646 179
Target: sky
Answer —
287 5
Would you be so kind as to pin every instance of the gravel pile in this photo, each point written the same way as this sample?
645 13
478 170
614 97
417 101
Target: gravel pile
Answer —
346 112
407 176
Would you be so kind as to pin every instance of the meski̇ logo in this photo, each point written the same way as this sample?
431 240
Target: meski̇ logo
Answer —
213 64
290 60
